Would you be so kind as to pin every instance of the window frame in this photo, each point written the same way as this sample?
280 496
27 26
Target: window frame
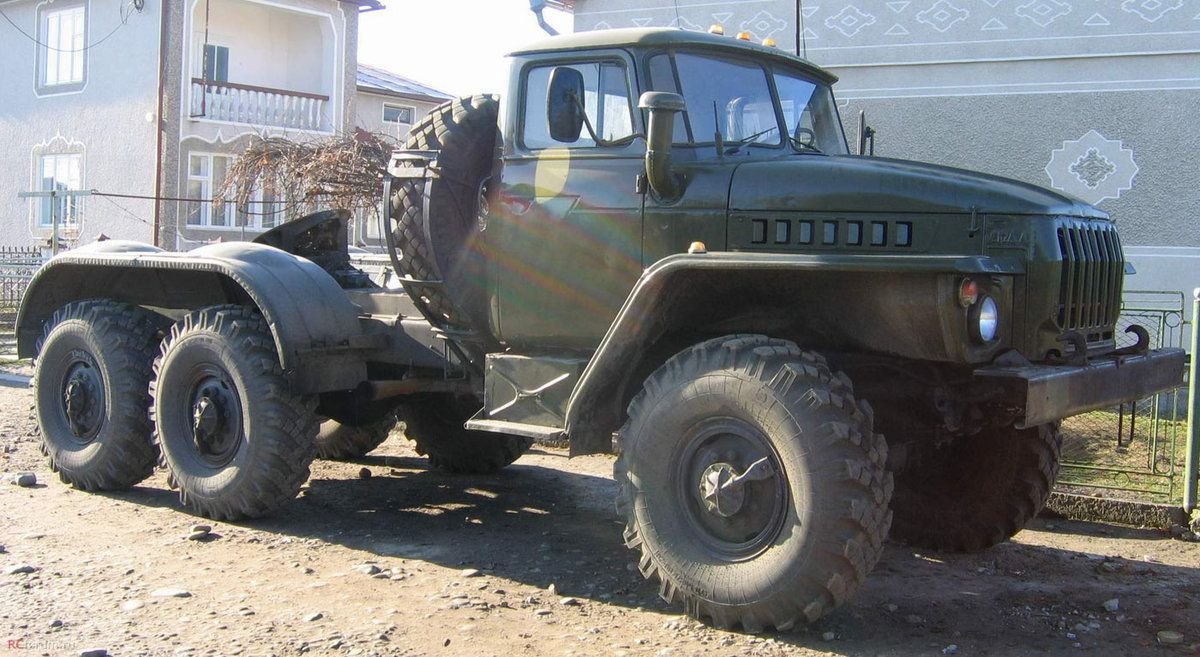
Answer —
217 47
412 113
46 51
631 87
768 72
208 206
43 216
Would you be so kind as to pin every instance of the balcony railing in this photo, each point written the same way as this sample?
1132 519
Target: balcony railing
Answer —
263 106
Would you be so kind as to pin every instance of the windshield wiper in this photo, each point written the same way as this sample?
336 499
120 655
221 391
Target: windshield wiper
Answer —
804 146
737 145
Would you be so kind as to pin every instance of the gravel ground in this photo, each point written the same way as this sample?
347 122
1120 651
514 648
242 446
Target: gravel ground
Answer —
407 561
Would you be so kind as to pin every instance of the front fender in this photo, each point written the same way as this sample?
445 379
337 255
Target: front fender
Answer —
314 324
833 301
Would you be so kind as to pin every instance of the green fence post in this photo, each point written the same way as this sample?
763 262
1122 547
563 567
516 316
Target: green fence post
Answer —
1193 447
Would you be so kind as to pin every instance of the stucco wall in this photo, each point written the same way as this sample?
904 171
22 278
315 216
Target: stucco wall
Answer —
111 120
200 135
368 113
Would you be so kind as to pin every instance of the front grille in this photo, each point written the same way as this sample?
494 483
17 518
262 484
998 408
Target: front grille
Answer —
1089 297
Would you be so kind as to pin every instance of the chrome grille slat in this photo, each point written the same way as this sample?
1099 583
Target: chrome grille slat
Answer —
1092 267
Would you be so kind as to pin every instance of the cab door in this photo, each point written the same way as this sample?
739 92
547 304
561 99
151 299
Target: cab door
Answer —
564 227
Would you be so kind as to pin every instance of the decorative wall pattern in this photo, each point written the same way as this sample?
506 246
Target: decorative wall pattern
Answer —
1092 168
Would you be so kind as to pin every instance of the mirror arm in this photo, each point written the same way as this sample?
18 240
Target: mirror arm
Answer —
587 123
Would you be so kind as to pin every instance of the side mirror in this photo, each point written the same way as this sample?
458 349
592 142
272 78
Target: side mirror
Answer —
662 107
564 104
865 134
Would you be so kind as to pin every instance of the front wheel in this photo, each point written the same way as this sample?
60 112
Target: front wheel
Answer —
978 490
235 440
752 483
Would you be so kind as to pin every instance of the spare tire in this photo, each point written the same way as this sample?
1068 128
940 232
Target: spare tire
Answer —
466 136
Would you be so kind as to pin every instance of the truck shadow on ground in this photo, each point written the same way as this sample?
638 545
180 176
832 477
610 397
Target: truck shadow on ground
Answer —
538 525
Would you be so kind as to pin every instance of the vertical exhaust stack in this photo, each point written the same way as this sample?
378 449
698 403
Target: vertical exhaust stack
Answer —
662 107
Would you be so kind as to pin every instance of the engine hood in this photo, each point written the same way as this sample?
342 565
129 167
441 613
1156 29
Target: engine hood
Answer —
815 183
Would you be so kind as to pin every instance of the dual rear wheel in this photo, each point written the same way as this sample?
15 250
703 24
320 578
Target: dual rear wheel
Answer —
118 390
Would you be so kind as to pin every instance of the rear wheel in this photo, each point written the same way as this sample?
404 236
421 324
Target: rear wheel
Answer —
235 440
752 483
90 390
435 424
977 491
340 441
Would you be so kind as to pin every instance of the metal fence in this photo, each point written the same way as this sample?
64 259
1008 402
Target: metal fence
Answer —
1134 450
17 265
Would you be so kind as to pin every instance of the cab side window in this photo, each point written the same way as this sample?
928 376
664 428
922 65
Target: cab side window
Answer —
606 103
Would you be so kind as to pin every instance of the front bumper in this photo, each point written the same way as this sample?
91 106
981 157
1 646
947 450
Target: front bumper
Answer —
1052 392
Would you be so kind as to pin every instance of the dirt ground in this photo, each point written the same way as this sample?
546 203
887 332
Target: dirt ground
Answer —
527 562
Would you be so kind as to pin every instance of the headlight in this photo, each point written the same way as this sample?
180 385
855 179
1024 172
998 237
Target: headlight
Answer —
985 320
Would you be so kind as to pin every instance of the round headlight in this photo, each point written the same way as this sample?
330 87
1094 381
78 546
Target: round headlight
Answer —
985 316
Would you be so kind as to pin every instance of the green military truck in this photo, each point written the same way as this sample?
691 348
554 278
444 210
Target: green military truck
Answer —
659 245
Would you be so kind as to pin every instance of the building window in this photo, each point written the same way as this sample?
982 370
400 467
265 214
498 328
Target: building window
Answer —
206 173
216 63
63 46
267 208
398 113
60 172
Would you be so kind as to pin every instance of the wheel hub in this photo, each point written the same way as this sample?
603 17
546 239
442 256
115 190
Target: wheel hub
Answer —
723 490
731 482
215 431
83 397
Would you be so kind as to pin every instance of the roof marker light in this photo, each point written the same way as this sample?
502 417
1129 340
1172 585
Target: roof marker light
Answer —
716 28
744 36
769 42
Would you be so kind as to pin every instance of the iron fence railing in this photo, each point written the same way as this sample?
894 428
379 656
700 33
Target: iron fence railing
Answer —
17 265
1136 449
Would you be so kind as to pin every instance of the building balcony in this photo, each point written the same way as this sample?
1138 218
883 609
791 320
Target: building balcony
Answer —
259 106
265 64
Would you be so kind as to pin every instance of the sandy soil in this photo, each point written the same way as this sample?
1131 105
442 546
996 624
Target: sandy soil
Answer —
467 565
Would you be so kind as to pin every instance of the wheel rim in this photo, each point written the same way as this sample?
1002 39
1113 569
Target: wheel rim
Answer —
215 416
730 481
82 396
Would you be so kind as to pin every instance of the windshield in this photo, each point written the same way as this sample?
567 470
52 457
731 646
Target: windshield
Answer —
733 98
810 114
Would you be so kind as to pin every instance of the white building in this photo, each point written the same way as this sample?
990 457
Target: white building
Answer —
391 103
152 99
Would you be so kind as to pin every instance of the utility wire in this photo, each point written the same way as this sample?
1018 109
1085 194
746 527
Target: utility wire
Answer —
106 37
147 197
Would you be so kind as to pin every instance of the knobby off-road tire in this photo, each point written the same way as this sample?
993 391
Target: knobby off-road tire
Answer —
91 393
978 491
790 546
236 441
435 424
465 133
339 441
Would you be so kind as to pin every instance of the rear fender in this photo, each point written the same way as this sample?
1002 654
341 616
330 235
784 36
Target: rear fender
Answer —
843 302
315 326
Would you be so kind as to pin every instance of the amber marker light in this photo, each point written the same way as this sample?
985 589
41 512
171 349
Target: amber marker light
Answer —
769 42
968 293
697 247
744 36
717 29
